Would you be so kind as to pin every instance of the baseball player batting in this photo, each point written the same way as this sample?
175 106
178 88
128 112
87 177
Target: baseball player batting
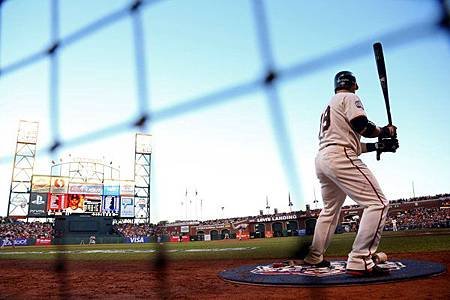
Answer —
341 173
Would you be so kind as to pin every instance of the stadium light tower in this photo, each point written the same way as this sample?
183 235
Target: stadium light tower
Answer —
290 202
267 205
19 194
315 199
142 166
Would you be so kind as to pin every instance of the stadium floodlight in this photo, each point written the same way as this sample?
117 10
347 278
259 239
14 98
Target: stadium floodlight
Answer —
19 194
142 166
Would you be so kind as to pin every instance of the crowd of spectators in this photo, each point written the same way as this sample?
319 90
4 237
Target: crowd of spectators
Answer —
225 221
136 230
421 198
420 218
19 229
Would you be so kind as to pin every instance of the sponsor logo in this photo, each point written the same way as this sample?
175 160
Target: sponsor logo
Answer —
43 242
22 202
127 207
127 189
359 104
137 239
127 202
59 183
20 242
217 226
17 242
111 190
39 200
85 189
40 183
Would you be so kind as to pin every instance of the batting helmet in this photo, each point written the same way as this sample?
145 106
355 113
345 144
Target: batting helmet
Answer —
344 80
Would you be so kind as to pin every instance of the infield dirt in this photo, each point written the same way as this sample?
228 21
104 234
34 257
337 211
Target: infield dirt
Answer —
32 279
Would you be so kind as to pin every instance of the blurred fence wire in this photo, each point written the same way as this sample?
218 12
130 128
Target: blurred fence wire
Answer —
268 82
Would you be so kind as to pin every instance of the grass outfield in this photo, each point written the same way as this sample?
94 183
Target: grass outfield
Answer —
391 242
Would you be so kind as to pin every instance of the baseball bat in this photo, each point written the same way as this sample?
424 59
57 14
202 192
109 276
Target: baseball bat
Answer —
381 67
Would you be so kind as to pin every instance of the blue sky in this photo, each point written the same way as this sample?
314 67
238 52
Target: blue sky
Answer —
229 151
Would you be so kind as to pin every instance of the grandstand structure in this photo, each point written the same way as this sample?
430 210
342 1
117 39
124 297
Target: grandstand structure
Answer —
77 185
303 222
431 212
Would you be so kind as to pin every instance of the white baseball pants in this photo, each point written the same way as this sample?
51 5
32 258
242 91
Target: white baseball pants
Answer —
342 173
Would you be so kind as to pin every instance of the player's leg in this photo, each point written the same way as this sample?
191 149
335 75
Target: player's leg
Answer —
333 198
359 183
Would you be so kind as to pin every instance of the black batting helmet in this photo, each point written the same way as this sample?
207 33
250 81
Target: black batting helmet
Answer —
344 80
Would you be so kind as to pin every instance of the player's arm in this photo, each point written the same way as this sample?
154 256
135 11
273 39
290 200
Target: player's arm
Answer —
355 113
368 147
383 145
364 127
368 129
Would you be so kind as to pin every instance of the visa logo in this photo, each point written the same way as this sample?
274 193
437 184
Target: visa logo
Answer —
137 239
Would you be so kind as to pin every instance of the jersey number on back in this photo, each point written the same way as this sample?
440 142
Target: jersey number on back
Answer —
324 122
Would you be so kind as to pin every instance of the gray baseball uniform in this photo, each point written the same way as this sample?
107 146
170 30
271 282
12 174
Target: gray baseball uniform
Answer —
341 173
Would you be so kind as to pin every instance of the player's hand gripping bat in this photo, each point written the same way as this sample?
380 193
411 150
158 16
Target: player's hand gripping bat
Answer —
379 58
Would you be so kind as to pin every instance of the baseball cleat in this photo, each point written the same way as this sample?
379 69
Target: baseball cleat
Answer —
373 272
323 264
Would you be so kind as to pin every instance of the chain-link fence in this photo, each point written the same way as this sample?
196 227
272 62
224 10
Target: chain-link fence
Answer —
268 82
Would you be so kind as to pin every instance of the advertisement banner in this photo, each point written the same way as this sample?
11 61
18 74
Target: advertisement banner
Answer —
59 185
40 184
56 202
110 204
88 189
177 238
75 203
92 203
127 207
184 228
43 242
38 204
242 236
137 239
141 207
127 188
111 190
17 242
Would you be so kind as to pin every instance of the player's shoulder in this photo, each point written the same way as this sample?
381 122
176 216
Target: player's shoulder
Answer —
345 96
347 100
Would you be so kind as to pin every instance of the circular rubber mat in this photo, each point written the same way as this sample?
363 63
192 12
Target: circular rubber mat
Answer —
290 274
